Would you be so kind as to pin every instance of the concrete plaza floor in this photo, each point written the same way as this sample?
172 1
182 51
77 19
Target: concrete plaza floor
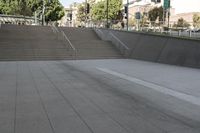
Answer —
98 96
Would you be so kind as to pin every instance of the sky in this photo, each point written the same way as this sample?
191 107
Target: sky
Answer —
180 5
68 2
186 6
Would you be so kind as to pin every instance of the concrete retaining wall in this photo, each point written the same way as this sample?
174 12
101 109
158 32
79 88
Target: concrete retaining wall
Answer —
161 49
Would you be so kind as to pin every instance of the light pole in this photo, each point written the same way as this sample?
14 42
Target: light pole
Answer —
85 13
127 14
43 11
107 3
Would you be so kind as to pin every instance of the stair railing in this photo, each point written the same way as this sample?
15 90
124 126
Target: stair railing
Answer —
109 36
68 43
119 44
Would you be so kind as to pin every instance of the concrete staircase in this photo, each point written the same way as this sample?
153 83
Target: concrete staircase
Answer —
40 43
30 43
89 45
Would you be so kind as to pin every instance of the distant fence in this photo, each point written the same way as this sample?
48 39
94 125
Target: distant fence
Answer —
151 27
19 20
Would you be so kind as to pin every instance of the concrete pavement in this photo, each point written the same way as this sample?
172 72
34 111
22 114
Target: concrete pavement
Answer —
77 97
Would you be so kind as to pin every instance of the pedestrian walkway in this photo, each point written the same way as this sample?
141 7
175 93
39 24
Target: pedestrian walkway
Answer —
77 97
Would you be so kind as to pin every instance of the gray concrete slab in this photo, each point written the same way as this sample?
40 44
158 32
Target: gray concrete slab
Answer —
76 97
158 48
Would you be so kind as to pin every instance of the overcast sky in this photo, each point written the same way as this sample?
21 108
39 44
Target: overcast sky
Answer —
179 5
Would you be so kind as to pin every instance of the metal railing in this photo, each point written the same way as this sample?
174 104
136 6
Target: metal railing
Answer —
16 19
125 51
100 33
153 27
109 36
67 42
70 44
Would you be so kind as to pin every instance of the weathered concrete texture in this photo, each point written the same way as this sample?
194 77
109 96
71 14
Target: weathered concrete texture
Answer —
21 43
89 45
148 48
178 52
31 43
76 97
162 49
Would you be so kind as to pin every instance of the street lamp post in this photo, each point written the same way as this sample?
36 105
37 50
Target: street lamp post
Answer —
127 14
43 11
107 2
85 13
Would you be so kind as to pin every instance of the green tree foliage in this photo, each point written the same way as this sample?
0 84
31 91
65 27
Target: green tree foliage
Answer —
81 16
182 23
113 9
99 10
196 20
8 7
156 14
54 10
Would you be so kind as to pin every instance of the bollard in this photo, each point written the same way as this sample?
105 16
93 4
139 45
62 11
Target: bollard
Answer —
190 33
179 33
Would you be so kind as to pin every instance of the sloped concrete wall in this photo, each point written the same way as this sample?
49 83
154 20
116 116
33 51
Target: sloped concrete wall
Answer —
161 49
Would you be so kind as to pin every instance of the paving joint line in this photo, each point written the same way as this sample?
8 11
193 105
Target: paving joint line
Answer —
41 101
66 99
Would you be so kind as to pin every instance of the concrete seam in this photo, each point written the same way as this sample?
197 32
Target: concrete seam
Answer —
100 108
16 94
66 100
41 101
165 45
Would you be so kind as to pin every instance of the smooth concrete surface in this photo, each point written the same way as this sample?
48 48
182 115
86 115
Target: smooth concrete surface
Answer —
78 97
158 48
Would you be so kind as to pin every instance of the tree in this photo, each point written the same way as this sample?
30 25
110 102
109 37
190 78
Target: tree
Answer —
15 7
22 8
99 10
7 7
182 23
81 16
114 8
156 13
196 21
54 11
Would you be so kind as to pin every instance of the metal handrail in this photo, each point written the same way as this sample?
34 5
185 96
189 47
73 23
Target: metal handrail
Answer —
65 36
62 33
115 40
53 29
122 44
125 51
70 43
100 33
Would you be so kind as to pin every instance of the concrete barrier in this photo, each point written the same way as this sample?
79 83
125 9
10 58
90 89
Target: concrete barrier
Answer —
159 48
